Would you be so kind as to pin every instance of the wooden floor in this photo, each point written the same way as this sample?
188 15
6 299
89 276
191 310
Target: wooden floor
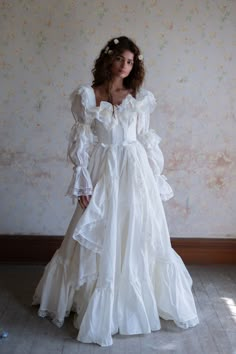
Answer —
215 293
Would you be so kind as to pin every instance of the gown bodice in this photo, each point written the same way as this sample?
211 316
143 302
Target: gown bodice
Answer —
118 134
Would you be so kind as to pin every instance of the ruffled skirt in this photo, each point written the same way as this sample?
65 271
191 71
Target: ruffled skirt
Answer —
116 268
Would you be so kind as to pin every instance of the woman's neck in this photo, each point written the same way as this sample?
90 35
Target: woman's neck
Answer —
114 89
116 84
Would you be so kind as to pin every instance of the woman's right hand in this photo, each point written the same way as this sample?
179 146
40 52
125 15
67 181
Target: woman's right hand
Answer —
84 201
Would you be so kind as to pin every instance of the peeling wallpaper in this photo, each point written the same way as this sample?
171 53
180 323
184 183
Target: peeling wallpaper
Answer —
48 48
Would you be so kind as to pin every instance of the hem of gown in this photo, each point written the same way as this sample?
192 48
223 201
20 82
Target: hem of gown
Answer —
110 342
57 265
188 324
52 317
44 311
133 333
59 323
184 324
61 266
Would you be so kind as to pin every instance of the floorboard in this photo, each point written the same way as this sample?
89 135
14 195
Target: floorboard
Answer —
214 289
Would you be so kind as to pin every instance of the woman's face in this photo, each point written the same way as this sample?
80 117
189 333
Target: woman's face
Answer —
122 64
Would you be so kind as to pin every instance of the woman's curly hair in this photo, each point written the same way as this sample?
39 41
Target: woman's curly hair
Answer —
114 47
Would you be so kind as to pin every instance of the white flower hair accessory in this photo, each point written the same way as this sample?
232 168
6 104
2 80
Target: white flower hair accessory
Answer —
140 57
106 50
116 41
110 52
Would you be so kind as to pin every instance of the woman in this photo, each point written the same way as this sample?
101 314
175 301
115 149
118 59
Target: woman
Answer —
116 268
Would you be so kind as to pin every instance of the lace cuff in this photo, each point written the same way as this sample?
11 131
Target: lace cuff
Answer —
81 183
165 189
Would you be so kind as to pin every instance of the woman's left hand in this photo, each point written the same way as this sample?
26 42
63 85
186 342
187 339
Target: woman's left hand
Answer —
84 201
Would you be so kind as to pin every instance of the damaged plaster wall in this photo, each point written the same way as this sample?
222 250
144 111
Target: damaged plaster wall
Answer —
48 49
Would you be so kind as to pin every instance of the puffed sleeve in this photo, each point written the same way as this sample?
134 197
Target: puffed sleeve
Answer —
150 141
80 143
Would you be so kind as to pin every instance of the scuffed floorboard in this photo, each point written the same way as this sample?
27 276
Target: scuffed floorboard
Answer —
214 289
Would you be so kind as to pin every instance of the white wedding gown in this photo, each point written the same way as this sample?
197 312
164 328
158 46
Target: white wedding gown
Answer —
116 268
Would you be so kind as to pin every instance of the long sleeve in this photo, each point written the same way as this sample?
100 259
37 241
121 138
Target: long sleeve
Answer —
150 141
80 143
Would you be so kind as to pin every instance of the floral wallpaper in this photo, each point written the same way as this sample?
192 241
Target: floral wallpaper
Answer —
189 48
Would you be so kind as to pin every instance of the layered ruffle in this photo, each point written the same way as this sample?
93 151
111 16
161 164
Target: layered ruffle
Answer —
67 280
128 306
144 103
172 288
131 291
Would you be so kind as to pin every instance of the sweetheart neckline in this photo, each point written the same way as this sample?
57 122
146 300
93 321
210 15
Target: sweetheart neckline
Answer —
109 103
